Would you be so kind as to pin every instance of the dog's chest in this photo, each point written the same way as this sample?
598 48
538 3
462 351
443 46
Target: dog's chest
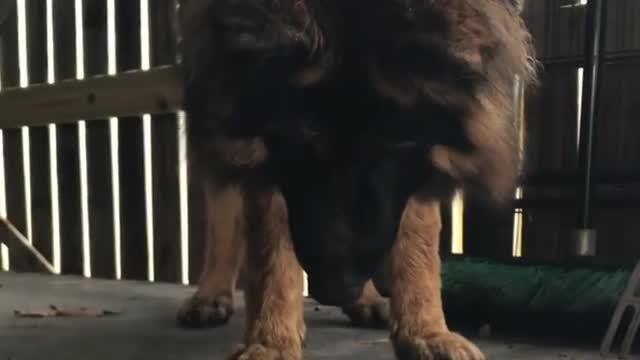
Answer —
344 212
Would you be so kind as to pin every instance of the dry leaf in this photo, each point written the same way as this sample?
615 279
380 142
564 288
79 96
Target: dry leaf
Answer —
376 342
54 311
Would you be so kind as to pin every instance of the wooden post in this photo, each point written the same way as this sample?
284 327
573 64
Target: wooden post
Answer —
166 196
68 156
39 136
133 227
98 149
14 167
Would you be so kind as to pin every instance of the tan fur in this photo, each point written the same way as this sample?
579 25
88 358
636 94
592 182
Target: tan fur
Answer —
419 330
225 220
213 302
496 151
225 250
371 310
240 153
275 325
490 38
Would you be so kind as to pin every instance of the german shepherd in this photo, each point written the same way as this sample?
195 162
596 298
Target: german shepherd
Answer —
329 131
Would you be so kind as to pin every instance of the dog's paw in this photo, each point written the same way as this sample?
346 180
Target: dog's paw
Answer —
374 315
439 346
199 312
261 352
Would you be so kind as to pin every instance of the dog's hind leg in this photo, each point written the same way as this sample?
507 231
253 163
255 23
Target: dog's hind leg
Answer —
212 304
371 310
275 324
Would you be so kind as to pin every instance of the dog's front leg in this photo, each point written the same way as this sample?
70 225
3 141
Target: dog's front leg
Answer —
213 303
275 324
419 330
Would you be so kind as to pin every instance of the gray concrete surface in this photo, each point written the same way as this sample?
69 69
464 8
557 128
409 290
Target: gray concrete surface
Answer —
146 327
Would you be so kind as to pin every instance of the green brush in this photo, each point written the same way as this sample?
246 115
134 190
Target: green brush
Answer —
531 298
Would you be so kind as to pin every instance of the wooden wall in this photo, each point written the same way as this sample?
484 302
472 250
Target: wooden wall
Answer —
551 117
130 156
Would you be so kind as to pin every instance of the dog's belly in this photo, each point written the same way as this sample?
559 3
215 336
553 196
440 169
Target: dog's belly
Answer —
344 214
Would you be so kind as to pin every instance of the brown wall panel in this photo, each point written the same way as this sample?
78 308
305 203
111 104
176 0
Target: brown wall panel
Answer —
551 121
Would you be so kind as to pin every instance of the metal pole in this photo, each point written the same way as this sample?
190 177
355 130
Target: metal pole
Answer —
584 243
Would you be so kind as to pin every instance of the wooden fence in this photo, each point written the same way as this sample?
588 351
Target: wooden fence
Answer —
111 197
117 208
552 112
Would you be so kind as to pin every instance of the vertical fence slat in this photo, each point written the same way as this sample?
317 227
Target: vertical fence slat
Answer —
166 199
197 229
39 136
534 15
165 154
552 121
132 199
489 235
8 69
636 25
68 155
551 111
197 236
16 208
623 28
13 140
98 148
618 149
546 233
620 229
130 151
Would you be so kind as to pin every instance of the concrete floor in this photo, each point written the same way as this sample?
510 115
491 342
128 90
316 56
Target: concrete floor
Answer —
146 327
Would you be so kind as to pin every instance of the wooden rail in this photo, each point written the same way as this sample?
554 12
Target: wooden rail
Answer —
132 93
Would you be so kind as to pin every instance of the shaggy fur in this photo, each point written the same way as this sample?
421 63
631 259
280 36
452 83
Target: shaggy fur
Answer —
213 303
341 125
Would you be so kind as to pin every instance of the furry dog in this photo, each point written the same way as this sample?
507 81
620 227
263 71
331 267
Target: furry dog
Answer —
329 131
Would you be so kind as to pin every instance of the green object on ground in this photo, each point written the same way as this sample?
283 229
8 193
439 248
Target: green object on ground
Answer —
530 296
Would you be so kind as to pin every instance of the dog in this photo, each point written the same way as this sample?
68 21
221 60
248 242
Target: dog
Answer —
329 131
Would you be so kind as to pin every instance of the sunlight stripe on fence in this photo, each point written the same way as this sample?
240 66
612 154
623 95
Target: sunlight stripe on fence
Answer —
183 164
55 199
24 82
114 142
56 246
457 223
145 56
4 250
82 147
184 197
580 80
